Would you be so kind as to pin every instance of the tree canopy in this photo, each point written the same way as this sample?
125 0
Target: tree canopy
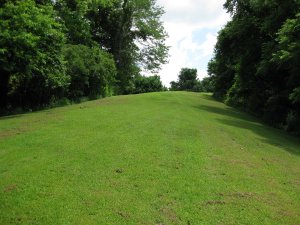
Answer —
31 64
188 81
132 32
256 63
76 48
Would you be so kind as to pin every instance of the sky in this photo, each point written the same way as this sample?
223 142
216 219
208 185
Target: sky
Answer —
193 27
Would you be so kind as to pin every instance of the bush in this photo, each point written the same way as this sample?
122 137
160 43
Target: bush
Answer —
187 81
293 123
276 110
143 84
92 71
31 64
207 84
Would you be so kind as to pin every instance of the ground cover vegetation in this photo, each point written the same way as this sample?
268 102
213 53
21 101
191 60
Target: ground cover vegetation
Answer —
173 158
256 66
157 158
51 50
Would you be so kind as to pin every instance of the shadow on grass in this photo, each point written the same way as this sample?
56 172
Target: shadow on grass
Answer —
11 116
228 111
235 118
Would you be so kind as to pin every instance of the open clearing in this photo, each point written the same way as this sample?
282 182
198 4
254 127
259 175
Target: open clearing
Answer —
159 158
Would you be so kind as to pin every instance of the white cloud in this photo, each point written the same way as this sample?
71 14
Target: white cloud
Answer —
207 46
184 20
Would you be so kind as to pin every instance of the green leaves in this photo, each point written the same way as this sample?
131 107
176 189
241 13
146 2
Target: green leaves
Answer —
31 41
108 43
295 96
74 16
92 71
187 81
132 31
288 39
142 84
256 62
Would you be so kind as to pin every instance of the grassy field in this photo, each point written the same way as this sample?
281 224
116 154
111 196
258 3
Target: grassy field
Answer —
159 158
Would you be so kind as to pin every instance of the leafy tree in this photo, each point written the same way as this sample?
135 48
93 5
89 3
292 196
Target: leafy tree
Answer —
51 49
207 84
45 2
187 81
31 64
174 86
92 71
256 61
287 58
198 86
73 13
132 31
143 84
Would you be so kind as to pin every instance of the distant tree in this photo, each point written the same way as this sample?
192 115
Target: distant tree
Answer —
143 84
198 86
174 86
187 81
207 84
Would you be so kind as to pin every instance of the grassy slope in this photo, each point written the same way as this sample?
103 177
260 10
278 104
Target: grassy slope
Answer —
161 158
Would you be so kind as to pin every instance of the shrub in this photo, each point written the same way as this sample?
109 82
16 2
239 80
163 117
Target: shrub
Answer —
92 71
143 84
293 123
31 64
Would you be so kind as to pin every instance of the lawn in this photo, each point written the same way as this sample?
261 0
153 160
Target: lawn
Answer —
159 158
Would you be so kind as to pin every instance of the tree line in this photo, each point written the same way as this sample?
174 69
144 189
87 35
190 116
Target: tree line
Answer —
69 49
188 81
256 64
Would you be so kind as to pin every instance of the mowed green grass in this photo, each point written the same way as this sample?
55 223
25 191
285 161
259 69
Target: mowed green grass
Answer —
159 158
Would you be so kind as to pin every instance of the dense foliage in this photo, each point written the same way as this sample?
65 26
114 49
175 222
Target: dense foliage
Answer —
132 32
76 48
256 65
92 71
31 64
143 84
188 81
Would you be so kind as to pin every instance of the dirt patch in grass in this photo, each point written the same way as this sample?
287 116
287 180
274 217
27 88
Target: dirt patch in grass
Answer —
178 166
12 132
30 124
239 195
169 214
109 101
215 202
167 211
273 161
295 182
10 188
236 162
233 197
123 214
119 170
